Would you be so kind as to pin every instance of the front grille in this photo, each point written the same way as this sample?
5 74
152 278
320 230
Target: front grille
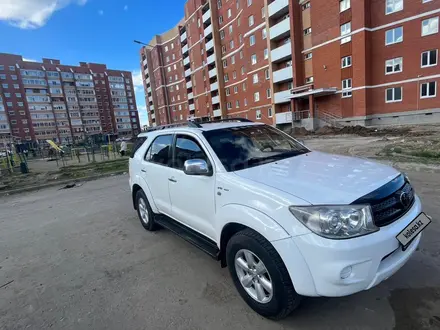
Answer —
392 208
389 202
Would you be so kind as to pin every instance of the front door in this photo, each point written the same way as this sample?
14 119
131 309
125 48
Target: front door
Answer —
192 196
156 168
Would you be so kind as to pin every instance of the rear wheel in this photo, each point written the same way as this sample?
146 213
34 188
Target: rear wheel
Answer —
260 275
145 213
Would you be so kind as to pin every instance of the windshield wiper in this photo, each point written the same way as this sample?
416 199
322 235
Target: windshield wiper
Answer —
271 158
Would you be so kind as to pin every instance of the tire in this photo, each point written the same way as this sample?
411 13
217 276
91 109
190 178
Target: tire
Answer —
145 213
283 299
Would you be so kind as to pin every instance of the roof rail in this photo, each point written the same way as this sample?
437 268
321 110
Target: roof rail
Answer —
189 124
240 120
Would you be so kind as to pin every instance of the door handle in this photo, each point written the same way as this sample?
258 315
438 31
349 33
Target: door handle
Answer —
172 180
142 170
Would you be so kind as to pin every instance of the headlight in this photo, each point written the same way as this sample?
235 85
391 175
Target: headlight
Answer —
336 222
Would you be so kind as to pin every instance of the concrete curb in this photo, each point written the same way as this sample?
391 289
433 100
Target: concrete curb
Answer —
58 183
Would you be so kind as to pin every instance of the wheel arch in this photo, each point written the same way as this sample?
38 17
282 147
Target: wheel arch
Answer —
135 188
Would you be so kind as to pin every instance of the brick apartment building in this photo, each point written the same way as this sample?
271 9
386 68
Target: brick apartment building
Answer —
307 62
64 103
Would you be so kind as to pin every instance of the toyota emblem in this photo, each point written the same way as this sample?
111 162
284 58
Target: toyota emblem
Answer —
404 199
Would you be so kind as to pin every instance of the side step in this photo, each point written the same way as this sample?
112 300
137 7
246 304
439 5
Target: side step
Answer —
189 235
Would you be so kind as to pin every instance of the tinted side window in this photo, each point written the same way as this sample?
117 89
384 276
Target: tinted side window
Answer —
139 142
159 151
187 148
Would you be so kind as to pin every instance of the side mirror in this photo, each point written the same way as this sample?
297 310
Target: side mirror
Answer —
196 167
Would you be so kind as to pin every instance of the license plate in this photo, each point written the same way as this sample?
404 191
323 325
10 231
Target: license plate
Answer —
410 232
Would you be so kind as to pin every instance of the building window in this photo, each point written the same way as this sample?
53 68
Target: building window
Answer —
394 36
220 19
268 93
240 38
258 114
11 68
225 63
243 86
14 77
254 59
222 34
230 28
234 75
266 53
229 105
20 104
235 89
2 67
346 88
223 49
172 45
226 78
428 89
251 20
241 54
266 74
429 58
252 40
169 69
309 80
231 44
263 12
18 95
249 2
242 70
5 86
233 59
219 4
305 6
3 76
198 22
237 104
227 91
229 12
393 5
269 112
9 104
245 102
430 26
394 65
393 94
264 33
345 29
307 56
344 5
307 31
256 96
7 95
255 78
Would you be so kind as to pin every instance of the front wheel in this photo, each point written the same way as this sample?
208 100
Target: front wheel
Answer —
145 213
260 275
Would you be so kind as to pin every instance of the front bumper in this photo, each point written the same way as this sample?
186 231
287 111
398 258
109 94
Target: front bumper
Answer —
343 267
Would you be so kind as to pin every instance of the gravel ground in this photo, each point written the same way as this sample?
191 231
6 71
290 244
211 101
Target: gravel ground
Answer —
79 259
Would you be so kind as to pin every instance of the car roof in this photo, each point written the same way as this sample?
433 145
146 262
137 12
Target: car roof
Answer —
209 126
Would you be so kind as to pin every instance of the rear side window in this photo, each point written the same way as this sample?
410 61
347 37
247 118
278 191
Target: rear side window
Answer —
139 142
160 150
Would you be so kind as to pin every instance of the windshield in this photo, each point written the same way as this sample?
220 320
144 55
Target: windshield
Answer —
247 146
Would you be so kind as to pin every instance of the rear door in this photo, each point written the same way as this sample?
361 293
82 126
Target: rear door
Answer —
155 169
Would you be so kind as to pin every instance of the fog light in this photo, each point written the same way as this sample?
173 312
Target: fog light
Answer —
346 272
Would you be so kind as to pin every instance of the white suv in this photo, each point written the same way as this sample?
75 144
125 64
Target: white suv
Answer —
287 221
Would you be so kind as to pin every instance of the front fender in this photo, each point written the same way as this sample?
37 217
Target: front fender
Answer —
249 217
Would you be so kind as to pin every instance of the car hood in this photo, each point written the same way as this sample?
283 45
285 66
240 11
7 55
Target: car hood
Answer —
321 178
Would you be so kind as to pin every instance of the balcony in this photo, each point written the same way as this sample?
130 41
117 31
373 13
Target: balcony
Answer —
280 30
152 107
153 116
185 49
192 107
187 72
282 97
211 59
149 89
147 80
189 84
212 72
283 75
278 8
150 99
208 31
207 16
190 96
186 61
209 45
146 71
217 113
183 37
214 86
144 62
216 100
281 53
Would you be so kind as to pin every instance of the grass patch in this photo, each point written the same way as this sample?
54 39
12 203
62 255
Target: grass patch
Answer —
425 154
